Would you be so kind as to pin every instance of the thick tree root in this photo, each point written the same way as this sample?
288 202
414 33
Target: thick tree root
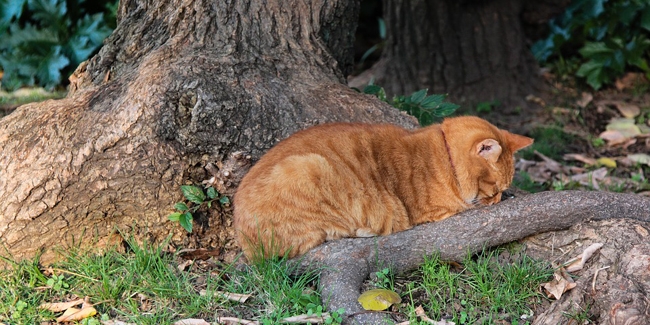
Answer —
346 263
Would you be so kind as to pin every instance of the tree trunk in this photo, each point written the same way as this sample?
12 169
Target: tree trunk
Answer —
179 86
473 50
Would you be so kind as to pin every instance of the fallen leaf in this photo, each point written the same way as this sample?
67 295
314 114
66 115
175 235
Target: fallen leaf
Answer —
580 158
613 137
640 158
234 320
607 162
419 311
306 319
182 266
625 126
629 80
60 306
591 178
191 321
559 285
378 299
585 99
115 322
77 314
577 263
228 295
628 110
550 163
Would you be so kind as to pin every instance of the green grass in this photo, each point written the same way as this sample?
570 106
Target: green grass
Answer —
550 141
485 291
145 286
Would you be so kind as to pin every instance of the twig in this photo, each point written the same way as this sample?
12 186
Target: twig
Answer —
593 283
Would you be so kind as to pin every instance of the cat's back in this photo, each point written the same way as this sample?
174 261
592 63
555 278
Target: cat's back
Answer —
333 142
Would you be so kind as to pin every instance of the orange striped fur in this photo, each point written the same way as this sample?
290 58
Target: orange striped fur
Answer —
357 180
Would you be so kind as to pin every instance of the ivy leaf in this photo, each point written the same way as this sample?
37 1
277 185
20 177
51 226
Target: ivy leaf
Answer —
212 193
8 10
432 101
445 109
224 200
645 18
371 89
181 206
174 216
193 194
186 221
418 96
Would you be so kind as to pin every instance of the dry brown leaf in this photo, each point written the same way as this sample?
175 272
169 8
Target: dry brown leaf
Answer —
238 297
628 110
560 284
306 319
60 306
630 80
585 99
613 137
191 321
551 164
578 262
182 266
419 311
115 322
78 315
235 320
580 158
591 178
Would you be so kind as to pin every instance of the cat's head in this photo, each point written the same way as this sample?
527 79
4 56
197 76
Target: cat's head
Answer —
482 155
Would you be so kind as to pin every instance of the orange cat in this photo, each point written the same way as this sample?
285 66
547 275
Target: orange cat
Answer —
359 180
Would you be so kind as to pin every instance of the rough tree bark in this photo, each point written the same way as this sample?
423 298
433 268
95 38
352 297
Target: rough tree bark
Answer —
346 263
179 86
474 50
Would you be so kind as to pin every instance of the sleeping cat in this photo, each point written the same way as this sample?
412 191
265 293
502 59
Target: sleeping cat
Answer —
359 180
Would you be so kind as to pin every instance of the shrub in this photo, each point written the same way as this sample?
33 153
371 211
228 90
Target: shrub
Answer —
43 40
611 37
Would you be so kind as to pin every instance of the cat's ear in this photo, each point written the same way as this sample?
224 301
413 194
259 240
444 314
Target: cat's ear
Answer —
515 141
489 149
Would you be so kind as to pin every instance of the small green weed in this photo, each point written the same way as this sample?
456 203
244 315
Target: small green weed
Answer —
196 199
427 109
385 279
487 107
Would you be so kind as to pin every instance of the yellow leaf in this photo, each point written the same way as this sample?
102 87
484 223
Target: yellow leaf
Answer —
60 306
378 299
607 162
74 314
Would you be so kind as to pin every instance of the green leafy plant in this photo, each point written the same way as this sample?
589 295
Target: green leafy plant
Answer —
41 41
427 109
196 199
384 279
612 37
486 107
57 282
